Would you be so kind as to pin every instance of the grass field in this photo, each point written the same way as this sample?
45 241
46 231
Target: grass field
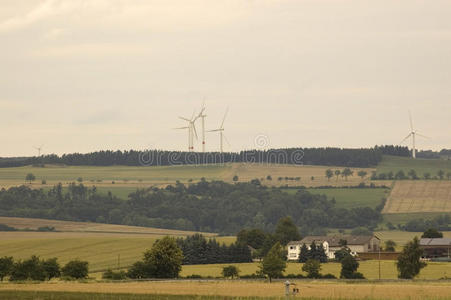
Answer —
403 218
419 196
396 163
227 289
350 198
129 178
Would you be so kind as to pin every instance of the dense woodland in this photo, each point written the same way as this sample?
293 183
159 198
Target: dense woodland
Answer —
308 156
204 206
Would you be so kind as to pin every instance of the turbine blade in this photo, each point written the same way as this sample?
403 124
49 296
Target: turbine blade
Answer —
225 115
195 131
406 138
185 119
214 130
181 128
410 119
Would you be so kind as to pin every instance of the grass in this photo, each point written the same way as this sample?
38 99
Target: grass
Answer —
403 218
420 165
351 198
227 290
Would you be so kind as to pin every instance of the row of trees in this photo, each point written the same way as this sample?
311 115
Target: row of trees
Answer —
39 269
205 206
411 175
364 157
344 173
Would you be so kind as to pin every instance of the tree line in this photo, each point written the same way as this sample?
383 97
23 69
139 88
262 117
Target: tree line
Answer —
363 157
411 175
204 206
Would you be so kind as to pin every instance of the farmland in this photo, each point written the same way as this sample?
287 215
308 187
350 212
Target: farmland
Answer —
129 178
421 166
219 289
350 198
419 196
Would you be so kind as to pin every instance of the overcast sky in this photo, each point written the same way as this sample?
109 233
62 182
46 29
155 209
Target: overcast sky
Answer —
80 76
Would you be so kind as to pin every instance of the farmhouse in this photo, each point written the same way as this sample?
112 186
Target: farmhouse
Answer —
436 247
356 243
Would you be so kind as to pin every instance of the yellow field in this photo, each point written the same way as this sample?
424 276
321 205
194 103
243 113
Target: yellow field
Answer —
133 177
322 290
419 196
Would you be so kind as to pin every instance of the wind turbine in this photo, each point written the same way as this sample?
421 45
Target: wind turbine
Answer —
191 130
39 150
413 133
202 115
221 133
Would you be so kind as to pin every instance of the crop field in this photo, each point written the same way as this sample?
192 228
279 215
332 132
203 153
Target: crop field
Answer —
122 179
221 289
419 196
420 165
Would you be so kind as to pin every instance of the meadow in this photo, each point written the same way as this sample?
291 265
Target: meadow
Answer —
420 165
230 289
351 198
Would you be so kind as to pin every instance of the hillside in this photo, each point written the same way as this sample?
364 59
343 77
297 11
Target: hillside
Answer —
420 165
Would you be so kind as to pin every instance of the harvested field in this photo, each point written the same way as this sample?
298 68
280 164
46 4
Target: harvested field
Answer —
419 196
312 289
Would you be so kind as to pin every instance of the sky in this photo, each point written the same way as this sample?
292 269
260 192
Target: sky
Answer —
81 76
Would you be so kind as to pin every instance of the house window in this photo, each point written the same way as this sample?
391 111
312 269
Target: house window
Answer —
292 247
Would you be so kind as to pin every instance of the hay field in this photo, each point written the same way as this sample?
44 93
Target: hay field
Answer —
412 196
309 289
131 178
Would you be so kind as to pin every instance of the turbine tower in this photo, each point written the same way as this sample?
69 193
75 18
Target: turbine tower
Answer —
221 133
39 150
191 130
202 115
413 133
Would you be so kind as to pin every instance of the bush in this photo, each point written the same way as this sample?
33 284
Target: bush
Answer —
76 269
46 228
4 227
119 275
230 272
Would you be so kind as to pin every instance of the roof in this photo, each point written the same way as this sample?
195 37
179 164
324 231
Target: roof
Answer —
334 241
435 242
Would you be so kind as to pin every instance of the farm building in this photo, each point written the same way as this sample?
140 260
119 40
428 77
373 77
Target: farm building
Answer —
356 243
436 247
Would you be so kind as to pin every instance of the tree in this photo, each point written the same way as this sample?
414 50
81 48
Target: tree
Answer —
349 266
269 177
230 272
274 263
342 253
80 179
441 174
413 174
312 267
361 231
390 246
287 231
51 268
432 233
409 262
346 173
362 174
400 175
304 254
6 265
337 173
448 175
164 259
76 269
30 177
427 175
29 269
235 178
329 174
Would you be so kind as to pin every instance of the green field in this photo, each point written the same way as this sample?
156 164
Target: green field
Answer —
350 198
420 165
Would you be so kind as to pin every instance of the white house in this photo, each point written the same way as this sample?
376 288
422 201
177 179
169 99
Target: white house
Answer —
357 244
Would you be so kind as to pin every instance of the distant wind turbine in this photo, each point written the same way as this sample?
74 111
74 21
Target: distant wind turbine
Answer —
413 133
39 150
202 115
191 130
221 133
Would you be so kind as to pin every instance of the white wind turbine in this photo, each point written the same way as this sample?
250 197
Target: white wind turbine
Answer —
221 133
39 150
413 133
202 115
191 130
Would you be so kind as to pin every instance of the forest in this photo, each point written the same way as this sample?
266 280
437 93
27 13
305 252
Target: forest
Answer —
205 206
364 157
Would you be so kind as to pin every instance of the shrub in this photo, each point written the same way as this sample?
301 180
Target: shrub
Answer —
76 269
230 272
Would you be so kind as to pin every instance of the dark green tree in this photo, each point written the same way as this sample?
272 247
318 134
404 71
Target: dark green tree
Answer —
235 178
346 173
427 175
51 268
349 266
274 264
362 174
409 262
329 174
441 174
413 174
304 255
29 269
337 173
30 177
390 246
432 233
76 269
312 267
287 231
164 258
6 265
230 272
